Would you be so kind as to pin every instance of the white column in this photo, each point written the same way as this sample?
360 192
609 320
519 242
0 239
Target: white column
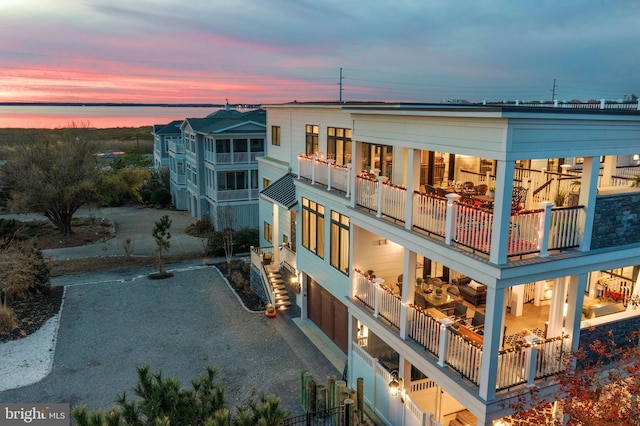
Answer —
588 192
276 235
502 212
491 343
408 290
577 286
450 221
412 184
381 181
544 228
608 170
556 310
517 300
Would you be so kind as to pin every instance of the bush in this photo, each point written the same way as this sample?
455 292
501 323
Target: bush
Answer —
242 242
161 196
145 195
245 238
201 228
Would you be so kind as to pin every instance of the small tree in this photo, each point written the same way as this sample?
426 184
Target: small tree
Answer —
162 236
225 224
600 386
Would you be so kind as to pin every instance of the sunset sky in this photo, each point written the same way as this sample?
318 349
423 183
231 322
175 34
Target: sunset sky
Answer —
270 51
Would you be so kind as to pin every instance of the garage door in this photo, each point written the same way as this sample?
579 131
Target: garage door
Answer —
331 316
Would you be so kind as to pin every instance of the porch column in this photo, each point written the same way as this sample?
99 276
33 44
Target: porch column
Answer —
412 183
588 192
502 212
556 310
517 300
608 170
276 235
577 285
356 157
491 342
408 290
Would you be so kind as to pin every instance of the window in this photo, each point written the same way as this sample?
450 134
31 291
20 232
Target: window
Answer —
228 181
268 232
257 145
239 145
340 242
275 135
339 145
313 227
265 182
312 139
223 146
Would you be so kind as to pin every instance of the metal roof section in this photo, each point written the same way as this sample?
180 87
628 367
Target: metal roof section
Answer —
281 192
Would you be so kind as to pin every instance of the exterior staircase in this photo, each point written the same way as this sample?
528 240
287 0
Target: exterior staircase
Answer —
464 418
278 288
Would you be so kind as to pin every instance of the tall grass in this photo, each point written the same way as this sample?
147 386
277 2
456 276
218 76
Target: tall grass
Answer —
113 139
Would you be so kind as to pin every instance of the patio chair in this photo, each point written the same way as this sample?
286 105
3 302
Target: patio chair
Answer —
435 282
468 187
518 197
460 311
429 189
482 189
477 322
441 192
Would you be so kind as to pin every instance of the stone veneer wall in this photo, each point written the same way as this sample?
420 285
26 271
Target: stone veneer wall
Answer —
623 333
616 221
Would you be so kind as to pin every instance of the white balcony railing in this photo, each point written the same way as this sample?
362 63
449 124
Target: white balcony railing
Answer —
532 360
176 147
326 173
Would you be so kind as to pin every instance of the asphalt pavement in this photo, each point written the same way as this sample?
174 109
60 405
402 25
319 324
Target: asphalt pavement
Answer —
113 322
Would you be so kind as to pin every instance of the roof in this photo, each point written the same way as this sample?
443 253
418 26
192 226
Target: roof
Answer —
224 121
164 129
281 192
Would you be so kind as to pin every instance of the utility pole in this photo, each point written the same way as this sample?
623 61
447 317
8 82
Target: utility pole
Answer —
553 91
340 84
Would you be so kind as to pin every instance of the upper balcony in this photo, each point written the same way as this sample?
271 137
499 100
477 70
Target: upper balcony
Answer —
176 147
232 158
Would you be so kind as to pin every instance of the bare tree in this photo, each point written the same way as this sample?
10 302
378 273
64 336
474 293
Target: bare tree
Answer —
225 224
54 177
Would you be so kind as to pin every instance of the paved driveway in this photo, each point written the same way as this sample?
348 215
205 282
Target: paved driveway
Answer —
112 323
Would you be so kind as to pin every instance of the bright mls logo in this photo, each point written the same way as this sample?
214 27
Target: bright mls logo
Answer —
37 414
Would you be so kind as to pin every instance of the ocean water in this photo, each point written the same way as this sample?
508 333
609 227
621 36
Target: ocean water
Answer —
52 117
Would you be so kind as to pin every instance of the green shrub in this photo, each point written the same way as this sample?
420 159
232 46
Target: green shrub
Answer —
161 196
245 238
145 195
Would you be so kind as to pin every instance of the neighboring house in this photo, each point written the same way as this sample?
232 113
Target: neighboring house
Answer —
220 166
168 138
376 207
163 136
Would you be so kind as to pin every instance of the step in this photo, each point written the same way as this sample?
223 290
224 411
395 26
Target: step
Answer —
280 291
456 422
281 297
466 417
281 306
278 286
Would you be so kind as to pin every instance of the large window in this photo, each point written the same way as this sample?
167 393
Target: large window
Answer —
228 181
313 227
339 145
257 145
340 242
268 232
275 135
312 139
223 146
